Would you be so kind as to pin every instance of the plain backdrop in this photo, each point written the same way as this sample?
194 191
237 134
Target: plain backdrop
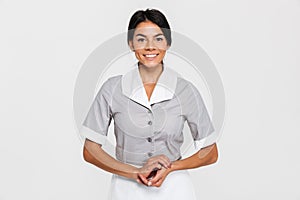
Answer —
255 46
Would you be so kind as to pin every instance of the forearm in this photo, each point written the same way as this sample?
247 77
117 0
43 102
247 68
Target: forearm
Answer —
94 154
205 156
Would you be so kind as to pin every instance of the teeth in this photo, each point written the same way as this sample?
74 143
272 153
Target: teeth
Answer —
150 55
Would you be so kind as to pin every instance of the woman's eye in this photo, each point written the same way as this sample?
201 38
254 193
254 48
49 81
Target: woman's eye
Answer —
159 39
140 39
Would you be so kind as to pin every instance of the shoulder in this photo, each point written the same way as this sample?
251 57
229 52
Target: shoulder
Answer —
188 92
109 86
111 82
183 84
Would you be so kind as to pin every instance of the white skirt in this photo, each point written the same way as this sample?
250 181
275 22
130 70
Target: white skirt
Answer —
177 185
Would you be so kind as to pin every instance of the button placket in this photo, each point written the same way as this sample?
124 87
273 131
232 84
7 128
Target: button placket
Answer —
150 139
149 111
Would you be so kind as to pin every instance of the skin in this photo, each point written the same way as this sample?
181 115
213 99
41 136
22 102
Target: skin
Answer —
148 39
149 46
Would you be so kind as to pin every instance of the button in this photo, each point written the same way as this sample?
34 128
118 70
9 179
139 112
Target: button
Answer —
150 154
149 139
150 122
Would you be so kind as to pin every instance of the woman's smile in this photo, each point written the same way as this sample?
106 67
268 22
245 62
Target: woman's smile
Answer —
151 57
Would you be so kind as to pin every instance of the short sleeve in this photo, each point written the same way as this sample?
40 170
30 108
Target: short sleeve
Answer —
198 119
95 125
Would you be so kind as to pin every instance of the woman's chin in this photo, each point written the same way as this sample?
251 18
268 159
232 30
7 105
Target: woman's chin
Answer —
151 64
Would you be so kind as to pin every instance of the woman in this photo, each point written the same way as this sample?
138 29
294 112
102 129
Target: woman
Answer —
149 105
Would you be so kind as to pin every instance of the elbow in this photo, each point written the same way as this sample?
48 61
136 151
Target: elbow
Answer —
88 151
214 158
215 155
87 155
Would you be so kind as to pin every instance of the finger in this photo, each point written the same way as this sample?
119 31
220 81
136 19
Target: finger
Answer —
152 174
165 163
158 183
139 181
143 179
151 163
158 162
157 177
146 181
160 166
156 166
164 160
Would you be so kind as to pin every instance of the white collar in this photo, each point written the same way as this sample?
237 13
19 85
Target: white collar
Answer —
133 88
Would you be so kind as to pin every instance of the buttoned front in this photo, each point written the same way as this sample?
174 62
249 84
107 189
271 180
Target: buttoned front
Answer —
145 128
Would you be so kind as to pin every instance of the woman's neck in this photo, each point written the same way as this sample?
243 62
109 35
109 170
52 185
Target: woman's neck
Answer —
150 75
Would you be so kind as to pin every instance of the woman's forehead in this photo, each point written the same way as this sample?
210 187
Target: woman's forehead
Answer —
147 29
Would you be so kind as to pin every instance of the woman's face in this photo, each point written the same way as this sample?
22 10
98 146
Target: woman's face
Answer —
149 44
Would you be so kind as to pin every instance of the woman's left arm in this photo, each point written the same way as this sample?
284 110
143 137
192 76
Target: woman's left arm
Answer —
204 156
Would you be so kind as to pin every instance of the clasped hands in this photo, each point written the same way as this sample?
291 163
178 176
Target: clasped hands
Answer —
154 171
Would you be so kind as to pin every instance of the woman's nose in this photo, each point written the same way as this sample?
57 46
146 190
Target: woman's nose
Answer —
150 45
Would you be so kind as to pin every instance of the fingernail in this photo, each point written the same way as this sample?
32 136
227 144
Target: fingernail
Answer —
149 183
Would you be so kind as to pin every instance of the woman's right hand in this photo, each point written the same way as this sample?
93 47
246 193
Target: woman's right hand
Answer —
153 163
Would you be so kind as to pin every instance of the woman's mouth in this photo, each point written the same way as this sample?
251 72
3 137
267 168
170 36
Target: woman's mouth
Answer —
150 56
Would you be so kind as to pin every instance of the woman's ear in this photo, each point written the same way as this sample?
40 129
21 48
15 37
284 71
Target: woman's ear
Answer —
131 45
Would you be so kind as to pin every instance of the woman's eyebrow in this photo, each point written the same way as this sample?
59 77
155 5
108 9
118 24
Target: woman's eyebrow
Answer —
139 34
142 35
159 34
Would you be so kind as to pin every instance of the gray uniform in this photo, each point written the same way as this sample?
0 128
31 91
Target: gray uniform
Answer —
147 128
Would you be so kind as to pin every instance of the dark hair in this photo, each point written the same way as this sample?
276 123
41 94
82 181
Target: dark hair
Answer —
153 15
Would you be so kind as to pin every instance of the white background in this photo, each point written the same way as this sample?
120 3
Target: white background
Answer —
255 46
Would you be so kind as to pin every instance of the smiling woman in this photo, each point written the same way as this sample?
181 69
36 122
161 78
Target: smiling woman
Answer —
149 44
149 106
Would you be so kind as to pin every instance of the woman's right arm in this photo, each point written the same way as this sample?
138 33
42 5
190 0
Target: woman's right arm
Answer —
94 154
